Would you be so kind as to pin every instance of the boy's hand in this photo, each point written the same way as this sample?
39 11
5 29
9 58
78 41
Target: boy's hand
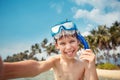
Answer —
88 55
90 68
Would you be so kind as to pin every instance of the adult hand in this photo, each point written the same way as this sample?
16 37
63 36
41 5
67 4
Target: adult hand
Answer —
1 69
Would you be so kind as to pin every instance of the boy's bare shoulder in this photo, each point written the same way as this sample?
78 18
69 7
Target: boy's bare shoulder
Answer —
54 58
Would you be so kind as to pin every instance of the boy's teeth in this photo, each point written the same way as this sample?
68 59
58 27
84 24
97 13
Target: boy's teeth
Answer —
69 53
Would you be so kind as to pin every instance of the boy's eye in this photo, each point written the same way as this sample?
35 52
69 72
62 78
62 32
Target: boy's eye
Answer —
72 41
62 43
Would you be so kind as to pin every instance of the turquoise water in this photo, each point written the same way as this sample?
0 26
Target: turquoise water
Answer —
44 76
49 76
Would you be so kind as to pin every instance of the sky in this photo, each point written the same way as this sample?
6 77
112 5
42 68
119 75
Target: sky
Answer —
26 22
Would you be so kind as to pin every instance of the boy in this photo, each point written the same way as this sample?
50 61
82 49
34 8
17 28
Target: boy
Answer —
65 65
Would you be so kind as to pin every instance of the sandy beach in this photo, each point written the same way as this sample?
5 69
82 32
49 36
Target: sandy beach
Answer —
111 74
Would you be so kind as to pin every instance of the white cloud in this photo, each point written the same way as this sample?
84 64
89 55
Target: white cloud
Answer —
94 3
100 4
85 33
81 13
98 14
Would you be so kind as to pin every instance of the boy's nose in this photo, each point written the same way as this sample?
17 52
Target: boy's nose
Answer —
68 46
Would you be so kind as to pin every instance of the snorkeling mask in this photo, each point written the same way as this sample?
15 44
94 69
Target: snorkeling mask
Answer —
68 26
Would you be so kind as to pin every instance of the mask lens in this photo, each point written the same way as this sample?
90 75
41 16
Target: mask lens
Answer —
55 29
68 25
65 26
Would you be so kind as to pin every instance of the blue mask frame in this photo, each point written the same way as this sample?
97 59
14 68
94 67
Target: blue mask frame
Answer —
83 41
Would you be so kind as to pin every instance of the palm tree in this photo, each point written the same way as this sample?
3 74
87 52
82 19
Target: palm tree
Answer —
92 43
37 48
114 30
51 48
104 37
44 42
32 48
31 55
100 38
26 54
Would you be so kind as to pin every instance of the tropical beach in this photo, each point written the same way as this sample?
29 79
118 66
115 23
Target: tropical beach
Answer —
25 31
109 74
105 54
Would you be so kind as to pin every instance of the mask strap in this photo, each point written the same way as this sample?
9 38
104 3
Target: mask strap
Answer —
83 41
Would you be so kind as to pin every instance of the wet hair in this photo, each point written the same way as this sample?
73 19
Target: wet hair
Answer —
65 33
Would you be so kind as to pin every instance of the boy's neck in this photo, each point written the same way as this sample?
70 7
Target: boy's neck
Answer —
67 60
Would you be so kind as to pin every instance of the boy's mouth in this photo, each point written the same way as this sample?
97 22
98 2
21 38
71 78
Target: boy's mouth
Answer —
70 53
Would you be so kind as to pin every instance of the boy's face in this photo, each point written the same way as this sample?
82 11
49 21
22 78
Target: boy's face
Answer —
68 46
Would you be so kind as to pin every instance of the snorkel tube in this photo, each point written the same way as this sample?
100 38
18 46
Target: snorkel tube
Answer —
83 41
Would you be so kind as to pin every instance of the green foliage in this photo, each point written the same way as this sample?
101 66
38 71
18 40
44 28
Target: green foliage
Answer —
108 66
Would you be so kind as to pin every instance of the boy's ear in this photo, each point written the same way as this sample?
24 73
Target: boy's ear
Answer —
78 42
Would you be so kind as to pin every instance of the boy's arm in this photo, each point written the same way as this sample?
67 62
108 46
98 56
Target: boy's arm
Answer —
28 68
90 67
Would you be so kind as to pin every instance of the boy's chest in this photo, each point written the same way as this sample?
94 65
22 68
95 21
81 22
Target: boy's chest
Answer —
69 72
